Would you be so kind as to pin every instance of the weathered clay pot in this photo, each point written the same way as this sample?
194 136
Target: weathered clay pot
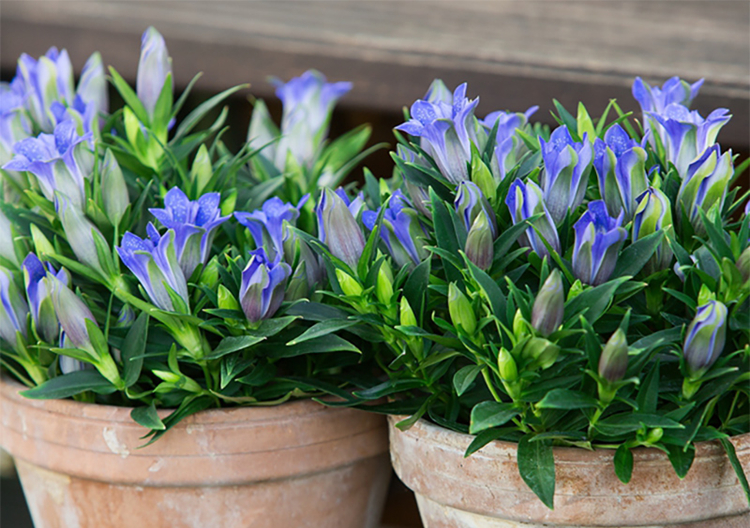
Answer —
486 491
296 465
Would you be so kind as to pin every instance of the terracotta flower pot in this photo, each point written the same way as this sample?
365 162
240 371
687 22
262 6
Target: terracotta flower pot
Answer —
296 465
486 491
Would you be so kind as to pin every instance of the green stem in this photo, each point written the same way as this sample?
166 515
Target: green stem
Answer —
490 385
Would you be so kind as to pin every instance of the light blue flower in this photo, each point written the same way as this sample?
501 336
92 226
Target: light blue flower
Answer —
80 234
263 285
266 224
566 172
447 130
705 338
620 164
655 99
401 231
13 309
194 224
39 295
598 239
46 80
338 227
154 66
14 122
470 202
508 147
72 313
155 265
525 200
653 214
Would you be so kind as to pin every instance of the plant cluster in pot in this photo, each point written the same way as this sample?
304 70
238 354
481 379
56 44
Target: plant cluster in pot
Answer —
568 334
138 299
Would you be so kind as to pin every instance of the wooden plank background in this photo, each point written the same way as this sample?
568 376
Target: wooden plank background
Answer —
513 53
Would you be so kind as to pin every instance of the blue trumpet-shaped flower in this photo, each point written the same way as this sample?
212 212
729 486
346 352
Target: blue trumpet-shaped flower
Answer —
266 224
194 224
263 285
653 214
308 102
447 130
470 202
598 239
402 232
154 263
525 200
14 122
46 80
655 99
13 308
337 225
154 66
685 134
566 172
705 338
39 295
60 162
705 185
508 145
620 164
72 313
92 86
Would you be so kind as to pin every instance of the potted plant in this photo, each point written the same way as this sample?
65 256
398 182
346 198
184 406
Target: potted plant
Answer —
566 315
150 331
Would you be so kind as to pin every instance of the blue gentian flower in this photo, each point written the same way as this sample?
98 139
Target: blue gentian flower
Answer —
39 295
685 134
48 79
447 131
655 99
266 224
620 164
263 285
402 232
337 225
525 200
92 86
308 102
154 66
13 309
14 123
72 313
566 172
155 265
653 214
61 162
470 202
705 185
194 224
508 146
705 338
598 239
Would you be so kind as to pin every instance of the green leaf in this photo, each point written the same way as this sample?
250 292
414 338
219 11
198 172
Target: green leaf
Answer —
415 288
260 375
624 463
736 465
567 399
69 385
463 379
133 349
636 255
97 338
629 422
648 393
233 344
318 345
681 458
271 327
482 439
187 407
148 417
594 301
322 328
536 464
488 414
445 234
202 109
389 387
129 96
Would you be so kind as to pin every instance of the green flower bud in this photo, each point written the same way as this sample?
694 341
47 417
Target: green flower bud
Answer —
654 435
210 274
406 314
115 197
613 363
549 305
541 353
506 365
384 287
480 248
743 264
349 285
227 301
461 312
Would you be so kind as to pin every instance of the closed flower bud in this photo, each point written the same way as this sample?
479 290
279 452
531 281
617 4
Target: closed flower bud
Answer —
506 365
406 314
338 228
743 265
126 316
72 313
549 305
598 239
114 191
705 185
384 287
349 285
613 363
470 202
263 286
652 214
225 299
210 274
541 353
525 200
13 309
705 338
80 233
153 68
480 247
42 310
298 287
460 309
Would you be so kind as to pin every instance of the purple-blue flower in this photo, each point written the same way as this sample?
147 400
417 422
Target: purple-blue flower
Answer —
508 146
39 295
401 231
48 79
263 285
194 224
470 202
620 164
598 239
13 309
686 135
447 130
655 99
154 66
705 185
525 200
705 338
14 123
155 265
338 227
566 172
60 162
72 313
266 224
653 214
308 102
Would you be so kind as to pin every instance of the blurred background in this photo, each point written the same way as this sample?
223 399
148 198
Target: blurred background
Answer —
513 53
